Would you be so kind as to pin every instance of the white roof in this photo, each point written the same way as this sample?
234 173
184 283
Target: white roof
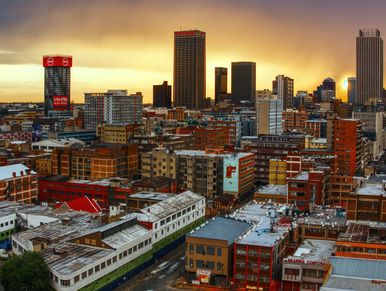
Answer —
125 236
6 172
371 190
58 142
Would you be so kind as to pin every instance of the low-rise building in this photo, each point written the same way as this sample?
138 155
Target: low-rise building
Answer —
274 193
18 183
209 251
309 266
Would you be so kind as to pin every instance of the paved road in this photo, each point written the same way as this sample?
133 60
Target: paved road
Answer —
159 276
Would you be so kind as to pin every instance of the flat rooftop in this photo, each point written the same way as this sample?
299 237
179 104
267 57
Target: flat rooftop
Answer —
221 228
314 250
151 196
356 274
371 190
273 189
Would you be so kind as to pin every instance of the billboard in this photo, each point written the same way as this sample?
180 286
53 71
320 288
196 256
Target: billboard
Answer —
60 102
57 61
231 173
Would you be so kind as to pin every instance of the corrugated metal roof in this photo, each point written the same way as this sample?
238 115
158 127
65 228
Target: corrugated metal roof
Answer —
359 268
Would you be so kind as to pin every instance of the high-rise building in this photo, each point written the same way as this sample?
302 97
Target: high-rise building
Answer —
162 95
220 84
57 83
269 116
369 65
330 85
283 87
243 82
189 85
351 89
112 107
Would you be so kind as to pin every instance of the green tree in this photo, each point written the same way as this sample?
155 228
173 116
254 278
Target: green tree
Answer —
26 272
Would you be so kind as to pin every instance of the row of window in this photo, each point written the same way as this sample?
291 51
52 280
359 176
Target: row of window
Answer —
177 215
101 266
7 223
210 251
253 253
210 265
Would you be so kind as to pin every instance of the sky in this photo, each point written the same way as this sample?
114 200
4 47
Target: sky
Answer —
128 44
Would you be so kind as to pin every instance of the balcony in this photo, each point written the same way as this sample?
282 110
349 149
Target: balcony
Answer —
292 278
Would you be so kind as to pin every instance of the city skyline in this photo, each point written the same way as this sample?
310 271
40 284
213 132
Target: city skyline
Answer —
135 52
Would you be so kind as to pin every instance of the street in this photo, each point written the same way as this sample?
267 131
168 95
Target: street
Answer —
159 276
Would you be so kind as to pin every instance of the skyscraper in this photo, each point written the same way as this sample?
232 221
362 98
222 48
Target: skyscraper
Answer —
189 69
351 89
369 67
243 82
162 95
220 83
57 83
283 87
329 84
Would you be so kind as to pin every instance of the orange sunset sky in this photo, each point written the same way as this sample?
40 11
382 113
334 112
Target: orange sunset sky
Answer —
127 44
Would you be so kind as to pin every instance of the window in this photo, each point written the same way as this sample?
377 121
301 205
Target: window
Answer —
134 248
199 264
90 272
219 252
210 265
210 251
76 279
84 275
125 253
200 249
191 249
219 266
103 265
65 282
190 263
115 258
97 268
108 262
140 246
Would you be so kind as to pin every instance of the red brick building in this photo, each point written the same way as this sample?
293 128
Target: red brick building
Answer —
211 137
18 183
306 189
294 120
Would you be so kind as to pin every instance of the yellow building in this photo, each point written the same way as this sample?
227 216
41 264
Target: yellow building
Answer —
110 133
44 167
277 172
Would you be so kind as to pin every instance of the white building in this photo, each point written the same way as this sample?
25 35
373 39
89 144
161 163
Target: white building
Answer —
112 107
269 116
49 145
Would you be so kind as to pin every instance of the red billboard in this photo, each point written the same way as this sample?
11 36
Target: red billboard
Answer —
61 102
57 61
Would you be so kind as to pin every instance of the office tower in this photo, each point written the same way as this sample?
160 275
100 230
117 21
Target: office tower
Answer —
189 69
369 67
283 87
220 84
243 82
351 89
269 116
329 84
57 78
112 107
162 95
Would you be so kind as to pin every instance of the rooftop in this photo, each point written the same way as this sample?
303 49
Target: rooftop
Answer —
356 274
170 205
313 250
221 228
371 190
6 172
203 153
153 182
273 189
151 196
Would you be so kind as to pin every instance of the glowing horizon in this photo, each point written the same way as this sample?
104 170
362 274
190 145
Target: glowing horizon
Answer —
134 49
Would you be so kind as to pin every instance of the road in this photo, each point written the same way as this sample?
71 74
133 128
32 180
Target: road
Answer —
159 276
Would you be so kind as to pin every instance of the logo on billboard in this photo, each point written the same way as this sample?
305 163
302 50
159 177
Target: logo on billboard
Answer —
50 61
65 62
231 174
229 171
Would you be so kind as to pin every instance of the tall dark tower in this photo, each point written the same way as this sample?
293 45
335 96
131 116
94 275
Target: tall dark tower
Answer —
162 95
57 83
189 85
220 83
369 67
243 82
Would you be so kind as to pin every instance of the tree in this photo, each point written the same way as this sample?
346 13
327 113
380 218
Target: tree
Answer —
26 272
